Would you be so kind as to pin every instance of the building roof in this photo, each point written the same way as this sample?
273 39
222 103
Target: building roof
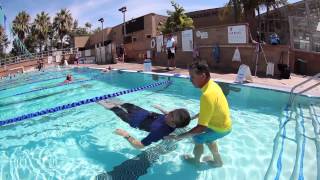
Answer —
153 14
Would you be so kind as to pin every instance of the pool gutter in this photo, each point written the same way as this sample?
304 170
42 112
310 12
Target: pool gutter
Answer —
254 85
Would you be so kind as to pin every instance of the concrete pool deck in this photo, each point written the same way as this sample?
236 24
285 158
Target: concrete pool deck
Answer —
270 83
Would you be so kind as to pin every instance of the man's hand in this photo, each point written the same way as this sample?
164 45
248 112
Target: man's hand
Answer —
122 132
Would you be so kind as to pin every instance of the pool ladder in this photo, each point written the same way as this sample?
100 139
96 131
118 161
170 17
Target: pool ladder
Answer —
293 95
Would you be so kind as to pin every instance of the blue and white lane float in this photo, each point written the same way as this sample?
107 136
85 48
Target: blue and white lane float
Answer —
80 103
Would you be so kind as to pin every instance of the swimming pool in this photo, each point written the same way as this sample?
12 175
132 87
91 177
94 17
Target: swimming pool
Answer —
268 141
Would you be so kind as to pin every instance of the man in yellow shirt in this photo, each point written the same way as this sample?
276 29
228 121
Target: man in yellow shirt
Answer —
214 117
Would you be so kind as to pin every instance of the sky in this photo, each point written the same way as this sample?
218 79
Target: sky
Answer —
91 10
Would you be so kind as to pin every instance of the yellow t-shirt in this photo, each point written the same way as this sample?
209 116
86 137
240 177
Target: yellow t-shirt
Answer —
214 108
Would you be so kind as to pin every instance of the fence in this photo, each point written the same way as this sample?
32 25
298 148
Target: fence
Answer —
304 34
35 56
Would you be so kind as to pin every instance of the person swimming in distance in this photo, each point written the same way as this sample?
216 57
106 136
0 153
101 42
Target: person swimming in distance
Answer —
69 78
107 69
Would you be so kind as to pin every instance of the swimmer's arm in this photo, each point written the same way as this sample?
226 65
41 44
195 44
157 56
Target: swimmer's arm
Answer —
133 141
160 109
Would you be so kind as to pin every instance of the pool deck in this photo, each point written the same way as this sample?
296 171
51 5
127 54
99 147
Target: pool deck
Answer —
277 84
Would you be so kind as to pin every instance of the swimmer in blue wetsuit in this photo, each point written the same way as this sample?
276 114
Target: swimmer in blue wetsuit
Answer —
158 125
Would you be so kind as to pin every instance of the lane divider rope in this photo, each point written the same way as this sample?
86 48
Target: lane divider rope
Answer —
29 78
44 88
79 103
42 80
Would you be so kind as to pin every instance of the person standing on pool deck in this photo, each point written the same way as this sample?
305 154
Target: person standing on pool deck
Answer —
214 118
170 46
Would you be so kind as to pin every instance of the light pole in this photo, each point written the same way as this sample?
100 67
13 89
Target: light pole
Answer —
123 10
101 20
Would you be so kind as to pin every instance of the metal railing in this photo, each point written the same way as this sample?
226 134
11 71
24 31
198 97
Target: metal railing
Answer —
293 95
36 56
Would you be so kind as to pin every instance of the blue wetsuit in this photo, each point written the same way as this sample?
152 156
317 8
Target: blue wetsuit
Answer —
142 119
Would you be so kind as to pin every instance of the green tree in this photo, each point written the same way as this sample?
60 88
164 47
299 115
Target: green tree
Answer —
20 25
88 26
75 24
236 10
98 29
51 38
78 31
177 20
31 41
3 41
63 23
15 51
42 25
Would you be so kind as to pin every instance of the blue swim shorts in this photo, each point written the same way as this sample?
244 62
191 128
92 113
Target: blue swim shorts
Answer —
209 136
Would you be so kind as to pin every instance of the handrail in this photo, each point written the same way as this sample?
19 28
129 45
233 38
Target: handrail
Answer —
292 95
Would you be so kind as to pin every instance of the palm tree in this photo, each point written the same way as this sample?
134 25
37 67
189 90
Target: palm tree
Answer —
20 25
177 20
3 41
88 26
249 10
42 25
63 23
98 29
273 4
75 24
236 10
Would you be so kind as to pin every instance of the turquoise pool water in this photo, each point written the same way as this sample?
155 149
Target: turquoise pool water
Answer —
268 141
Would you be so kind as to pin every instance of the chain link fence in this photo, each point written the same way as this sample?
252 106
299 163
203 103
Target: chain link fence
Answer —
304 34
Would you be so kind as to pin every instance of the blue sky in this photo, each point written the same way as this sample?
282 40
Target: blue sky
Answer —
92 10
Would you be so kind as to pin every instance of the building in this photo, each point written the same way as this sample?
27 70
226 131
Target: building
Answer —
291 22
210 17
139 32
